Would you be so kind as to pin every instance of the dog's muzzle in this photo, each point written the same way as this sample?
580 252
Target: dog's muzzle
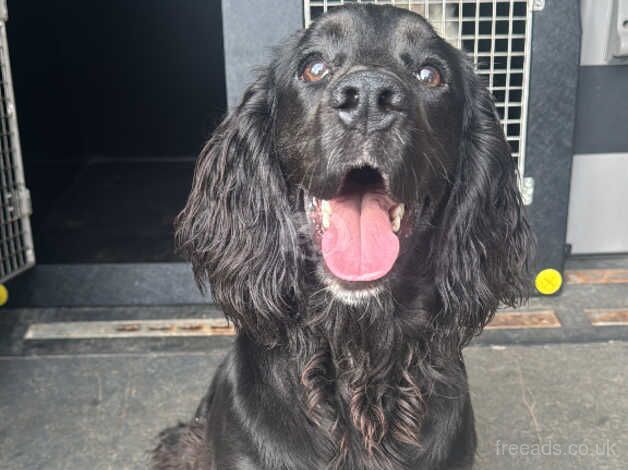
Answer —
368 100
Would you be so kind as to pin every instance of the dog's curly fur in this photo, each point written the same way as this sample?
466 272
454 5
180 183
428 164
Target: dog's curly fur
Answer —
315 381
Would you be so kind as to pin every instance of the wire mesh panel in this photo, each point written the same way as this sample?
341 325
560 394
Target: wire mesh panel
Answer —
495 33
16 246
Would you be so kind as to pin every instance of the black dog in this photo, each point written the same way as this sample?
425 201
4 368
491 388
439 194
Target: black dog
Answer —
357 217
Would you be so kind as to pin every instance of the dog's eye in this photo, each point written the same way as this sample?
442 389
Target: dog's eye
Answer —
429 76
315 70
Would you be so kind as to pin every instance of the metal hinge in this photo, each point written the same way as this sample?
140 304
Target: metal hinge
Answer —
19 203
527 190
538 5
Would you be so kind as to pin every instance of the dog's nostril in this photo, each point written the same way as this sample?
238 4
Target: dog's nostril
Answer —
384 100
389 100
351 98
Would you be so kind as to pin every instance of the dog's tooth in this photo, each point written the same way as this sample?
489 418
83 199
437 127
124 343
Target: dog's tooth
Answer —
325 207
396 224
398 211
325 213
395 217
325 220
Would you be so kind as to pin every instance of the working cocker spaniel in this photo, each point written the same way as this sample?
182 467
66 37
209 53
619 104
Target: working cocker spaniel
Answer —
357 218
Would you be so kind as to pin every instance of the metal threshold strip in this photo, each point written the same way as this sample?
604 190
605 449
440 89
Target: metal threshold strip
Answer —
129 329
596 276
607 317
219 327
524 320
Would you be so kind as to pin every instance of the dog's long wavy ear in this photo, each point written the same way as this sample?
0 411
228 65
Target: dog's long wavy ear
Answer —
482 257
236 227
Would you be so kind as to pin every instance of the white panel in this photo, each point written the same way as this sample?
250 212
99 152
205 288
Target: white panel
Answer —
598 204
599 26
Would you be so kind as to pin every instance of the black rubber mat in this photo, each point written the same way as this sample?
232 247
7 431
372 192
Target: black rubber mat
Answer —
103 412
94 412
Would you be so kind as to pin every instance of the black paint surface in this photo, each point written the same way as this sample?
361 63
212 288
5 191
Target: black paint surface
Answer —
551 117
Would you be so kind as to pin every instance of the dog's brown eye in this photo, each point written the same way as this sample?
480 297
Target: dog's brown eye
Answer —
429 75
315 70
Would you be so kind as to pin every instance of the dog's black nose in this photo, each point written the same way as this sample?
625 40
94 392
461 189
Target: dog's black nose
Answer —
368 100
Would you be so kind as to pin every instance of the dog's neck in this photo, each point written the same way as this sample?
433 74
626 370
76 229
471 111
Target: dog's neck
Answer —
366 371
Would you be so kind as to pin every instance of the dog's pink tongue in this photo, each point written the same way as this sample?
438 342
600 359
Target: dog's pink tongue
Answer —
359 244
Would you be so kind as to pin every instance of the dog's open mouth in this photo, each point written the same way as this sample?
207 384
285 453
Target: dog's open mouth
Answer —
359 227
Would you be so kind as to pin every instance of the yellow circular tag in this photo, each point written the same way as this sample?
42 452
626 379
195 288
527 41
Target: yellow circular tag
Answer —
4 295
548 281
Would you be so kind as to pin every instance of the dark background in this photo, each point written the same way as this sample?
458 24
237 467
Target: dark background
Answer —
114 100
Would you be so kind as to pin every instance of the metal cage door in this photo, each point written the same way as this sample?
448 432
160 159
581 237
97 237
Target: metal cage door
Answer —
16 242
497 36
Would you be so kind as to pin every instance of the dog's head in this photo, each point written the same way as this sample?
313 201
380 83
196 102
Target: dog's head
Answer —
367 159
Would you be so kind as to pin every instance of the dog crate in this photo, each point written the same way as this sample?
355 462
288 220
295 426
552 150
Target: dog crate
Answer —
16 244
527 51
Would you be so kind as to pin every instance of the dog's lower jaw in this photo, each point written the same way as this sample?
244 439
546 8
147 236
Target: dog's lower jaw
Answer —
352 297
